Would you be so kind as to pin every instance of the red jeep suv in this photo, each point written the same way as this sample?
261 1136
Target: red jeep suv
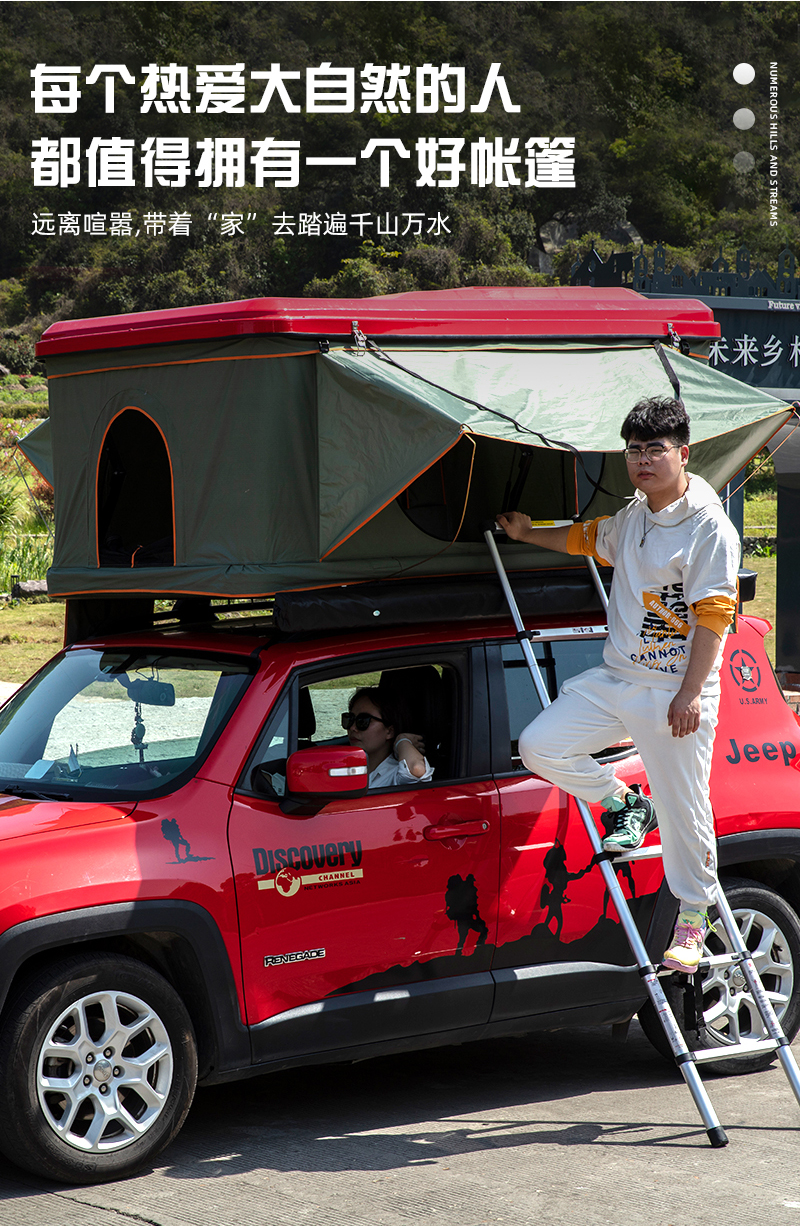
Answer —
196 885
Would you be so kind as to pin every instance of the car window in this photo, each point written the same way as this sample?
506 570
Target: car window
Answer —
272 751
427 694
558 662
130 721
322 704
423 697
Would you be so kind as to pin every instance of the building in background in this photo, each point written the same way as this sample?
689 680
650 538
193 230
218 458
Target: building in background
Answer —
759 318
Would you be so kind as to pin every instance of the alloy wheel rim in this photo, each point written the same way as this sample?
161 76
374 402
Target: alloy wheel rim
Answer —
104 1072
729 1010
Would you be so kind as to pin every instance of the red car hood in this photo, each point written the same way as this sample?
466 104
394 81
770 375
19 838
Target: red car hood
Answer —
25 817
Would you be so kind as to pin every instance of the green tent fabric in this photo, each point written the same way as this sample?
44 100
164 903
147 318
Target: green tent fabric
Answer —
246 466
579 398
38 447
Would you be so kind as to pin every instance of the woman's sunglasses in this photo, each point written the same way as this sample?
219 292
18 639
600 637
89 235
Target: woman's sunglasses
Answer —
361 721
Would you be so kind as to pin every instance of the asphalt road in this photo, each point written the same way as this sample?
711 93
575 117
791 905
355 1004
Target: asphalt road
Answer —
563 1129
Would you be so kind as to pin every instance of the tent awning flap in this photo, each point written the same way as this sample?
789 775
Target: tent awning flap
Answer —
580 399
375 435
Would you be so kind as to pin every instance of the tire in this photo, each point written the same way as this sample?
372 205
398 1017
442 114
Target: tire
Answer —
100 1068
771 930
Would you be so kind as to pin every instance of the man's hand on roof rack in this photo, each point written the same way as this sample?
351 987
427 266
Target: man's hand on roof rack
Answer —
518 527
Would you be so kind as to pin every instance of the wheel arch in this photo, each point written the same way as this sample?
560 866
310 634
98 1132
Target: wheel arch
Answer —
179 939
771 857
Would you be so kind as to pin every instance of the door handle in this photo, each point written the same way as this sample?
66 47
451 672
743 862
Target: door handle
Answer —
455 830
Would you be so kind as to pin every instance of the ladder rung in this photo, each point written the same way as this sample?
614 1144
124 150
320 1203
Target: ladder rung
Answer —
641 853
718 960
705 964
746 1047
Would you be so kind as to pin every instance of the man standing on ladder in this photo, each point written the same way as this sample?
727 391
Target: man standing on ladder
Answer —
676 557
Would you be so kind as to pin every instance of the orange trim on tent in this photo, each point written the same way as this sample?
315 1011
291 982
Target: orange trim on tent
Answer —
464 430
36 470
135 409
314 587
792 414
240 357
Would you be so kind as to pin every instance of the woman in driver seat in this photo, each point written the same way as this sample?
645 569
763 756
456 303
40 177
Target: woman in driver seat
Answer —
394 758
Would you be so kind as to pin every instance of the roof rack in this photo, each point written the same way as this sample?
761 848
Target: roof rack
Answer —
199 606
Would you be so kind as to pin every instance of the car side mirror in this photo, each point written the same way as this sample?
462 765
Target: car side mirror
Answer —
327 772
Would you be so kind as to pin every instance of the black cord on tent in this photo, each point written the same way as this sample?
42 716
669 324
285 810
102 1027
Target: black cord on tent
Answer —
546 442
673 378
586 505
513 494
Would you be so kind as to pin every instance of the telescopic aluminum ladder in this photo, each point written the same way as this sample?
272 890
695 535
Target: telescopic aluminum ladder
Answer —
739 956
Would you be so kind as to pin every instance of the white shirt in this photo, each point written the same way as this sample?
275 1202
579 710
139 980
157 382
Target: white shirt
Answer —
393 773
665 561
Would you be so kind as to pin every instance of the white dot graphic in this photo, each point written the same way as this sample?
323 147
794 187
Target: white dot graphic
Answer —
744 162
743 74
743 118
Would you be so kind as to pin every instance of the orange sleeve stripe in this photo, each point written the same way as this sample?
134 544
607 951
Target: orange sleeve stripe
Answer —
715 613
582 539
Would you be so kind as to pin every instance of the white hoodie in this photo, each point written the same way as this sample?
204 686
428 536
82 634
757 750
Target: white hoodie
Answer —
664 562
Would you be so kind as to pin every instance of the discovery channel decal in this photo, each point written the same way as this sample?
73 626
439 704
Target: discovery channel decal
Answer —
315 866
166 155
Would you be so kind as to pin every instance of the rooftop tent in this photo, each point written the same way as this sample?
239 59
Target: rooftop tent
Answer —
254 447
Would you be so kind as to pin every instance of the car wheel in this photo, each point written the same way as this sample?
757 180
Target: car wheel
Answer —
100 1068
771 932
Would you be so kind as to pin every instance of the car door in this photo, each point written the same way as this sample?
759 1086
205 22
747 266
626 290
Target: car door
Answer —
372 918
559 940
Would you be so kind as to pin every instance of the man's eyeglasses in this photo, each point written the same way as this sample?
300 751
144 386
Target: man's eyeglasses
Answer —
362 721
655 452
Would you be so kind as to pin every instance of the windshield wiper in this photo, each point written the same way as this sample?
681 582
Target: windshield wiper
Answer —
16 789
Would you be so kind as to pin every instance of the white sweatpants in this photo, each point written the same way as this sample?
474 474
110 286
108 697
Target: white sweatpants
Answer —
596 709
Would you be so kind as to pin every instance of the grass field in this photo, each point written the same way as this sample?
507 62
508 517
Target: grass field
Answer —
24 555
23 399
22 405
30 634
761 512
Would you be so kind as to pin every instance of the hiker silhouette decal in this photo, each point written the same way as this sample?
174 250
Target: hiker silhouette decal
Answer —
461 906
172 833
553 895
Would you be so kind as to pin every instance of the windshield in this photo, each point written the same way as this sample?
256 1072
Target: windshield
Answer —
131 722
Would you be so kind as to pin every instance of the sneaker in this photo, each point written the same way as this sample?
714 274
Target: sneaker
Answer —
630 824
686 950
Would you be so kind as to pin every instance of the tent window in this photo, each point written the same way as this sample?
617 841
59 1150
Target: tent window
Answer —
538 481
134 495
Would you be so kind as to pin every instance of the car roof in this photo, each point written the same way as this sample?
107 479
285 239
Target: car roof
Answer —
250 638
238 641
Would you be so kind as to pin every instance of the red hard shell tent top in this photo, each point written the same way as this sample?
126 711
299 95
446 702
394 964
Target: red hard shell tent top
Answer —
481 313
247 448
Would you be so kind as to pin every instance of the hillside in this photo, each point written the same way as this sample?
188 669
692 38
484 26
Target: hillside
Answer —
645 91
